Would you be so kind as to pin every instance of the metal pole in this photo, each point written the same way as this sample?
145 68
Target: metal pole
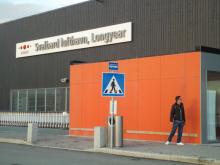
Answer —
18 102
55 100
35 98
112 120
66 99
26 106
45 104
11 97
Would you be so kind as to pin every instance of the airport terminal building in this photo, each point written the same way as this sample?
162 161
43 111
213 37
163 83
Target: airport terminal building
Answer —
53 62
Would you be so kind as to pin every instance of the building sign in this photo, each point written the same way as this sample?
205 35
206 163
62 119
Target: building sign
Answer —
90 38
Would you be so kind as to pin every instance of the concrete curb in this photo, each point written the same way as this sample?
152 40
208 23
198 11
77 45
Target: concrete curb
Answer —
23 142
13 141
62 148
156 156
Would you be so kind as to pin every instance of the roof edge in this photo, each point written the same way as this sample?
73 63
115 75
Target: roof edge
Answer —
207 49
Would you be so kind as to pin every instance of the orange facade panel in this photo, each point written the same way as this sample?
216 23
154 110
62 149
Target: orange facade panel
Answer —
151 83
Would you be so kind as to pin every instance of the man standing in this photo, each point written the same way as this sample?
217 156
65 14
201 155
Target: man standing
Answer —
177 116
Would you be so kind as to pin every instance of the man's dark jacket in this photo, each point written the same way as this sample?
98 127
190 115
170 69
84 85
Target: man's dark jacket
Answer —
177 112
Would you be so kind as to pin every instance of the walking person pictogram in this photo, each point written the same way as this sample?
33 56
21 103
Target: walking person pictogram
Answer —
113 86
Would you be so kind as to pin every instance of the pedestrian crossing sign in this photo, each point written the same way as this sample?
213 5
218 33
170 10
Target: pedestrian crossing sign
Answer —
113 84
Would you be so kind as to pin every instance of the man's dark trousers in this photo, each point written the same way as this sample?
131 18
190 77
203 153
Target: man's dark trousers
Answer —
176 124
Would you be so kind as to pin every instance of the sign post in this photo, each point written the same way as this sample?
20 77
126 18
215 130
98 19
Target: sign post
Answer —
113 86
112 124
114 67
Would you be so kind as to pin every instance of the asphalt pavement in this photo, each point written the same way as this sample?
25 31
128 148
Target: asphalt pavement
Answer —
59 139
13 154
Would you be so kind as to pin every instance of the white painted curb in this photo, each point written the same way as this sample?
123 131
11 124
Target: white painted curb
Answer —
177 158
13 141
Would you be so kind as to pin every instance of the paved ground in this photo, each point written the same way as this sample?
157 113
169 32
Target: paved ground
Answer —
13 132
58 138
210 151
21 132
12 154
49 137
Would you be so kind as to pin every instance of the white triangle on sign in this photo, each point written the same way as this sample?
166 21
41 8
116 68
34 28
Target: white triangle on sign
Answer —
113 87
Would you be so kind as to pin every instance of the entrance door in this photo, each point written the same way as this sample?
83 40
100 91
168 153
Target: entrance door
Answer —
213 106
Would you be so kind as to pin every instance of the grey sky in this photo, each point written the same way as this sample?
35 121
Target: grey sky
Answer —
14 9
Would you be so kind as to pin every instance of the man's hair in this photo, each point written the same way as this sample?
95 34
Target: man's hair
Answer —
177 98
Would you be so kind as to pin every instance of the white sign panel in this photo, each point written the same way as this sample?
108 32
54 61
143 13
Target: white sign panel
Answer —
90 38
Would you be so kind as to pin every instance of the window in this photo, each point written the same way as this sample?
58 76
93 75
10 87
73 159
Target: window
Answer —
31 100
213 106
60 97
68 100
22 100
40 100
50 100
14 101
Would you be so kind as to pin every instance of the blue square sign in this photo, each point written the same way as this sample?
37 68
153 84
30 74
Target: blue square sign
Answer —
113 66
113 84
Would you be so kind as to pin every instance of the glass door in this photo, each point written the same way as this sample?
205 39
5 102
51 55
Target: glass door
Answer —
213 106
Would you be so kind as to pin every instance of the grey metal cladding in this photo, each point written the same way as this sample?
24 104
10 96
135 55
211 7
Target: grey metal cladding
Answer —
159 27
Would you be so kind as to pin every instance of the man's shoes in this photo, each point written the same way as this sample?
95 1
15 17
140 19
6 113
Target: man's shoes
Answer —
180 144
167 143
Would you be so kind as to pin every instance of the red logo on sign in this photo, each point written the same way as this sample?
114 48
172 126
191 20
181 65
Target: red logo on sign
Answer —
24 47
